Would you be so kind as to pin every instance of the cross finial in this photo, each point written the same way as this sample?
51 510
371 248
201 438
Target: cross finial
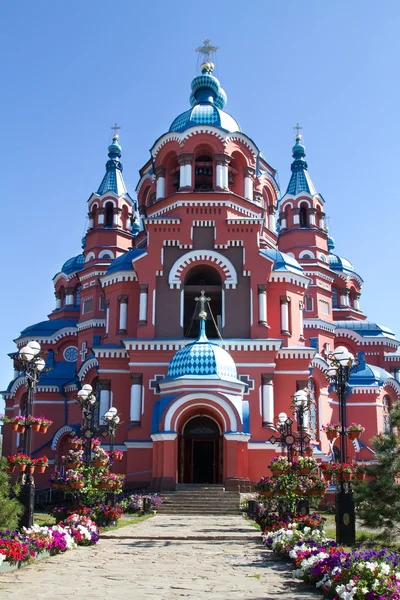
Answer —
206 49
115 129
202 299
297 128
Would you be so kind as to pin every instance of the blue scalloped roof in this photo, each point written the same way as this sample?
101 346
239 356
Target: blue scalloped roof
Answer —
49 327
74 264
369 375
205 114
283 262
365 328
60 373
204 359
124 262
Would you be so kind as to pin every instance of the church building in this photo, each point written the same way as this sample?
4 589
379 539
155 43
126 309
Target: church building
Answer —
201 302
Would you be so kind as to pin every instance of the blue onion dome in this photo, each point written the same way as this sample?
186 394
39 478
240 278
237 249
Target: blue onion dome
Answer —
298 149
73 264
338 263
331 243
114 149
202 358
207 101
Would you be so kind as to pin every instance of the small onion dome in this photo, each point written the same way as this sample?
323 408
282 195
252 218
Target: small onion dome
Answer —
338 263
73 264
331 244
114 149
204 359
221 98
298 149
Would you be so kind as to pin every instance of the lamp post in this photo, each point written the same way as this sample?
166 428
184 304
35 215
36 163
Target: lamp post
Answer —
301 404
28 361
111 420
88 403
341 364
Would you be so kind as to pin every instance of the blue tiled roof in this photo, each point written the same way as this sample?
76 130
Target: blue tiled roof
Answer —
113 180
365 328
60 373
125 261
74 264
300 180
45 328
202 359
369 375
283 262
338 263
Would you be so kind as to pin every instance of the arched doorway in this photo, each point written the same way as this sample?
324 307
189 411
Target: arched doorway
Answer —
200 451
202 277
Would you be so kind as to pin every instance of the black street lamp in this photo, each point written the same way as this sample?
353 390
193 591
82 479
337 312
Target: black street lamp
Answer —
341 364
288 438
28 361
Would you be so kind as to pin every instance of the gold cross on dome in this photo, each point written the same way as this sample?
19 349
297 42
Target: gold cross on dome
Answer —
206 49
202 299
115 129
297 128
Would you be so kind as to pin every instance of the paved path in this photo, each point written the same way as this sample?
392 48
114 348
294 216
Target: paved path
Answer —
159 559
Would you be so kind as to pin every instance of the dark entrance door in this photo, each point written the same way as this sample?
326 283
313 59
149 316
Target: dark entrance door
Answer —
200 452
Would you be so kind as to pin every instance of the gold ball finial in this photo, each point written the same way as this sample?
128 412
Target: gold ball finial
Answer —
203 314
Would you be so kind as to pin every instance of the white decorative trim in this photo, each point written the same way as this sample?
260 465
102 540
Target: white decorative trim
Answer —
58 335
318 324
222 402
307 254
203 223
366 340
238 221
303 372
200 203
64 276
91 323
162 221
103 254
289 277
297 352
16 385
261 446
237 437
262 345
94 273
138 444
90 256
394 384
114 371
91 363
199 256
117 277
59 434
110 352
163 437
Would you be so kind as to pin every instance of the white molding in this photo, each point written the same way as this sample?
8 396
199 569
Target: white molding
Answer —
110 352
178 203
174 278
297 353
366 340
231 344
319 324
261 446
223 403
303 372
52 339
114 371
289 277
91 323
85 367
163 437
237 437
139 444
59 433
117 277
93 274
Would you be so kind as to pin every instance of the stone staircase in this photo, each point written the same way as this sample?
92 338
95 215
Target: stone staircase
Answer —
200 500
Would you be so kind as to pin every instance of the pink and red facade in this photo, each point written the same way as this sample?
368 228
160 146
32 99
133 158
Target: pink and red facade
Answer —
208 216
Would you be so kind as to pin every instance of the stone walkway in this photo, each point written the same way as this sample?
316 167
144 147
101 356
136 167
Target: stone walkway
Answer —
166 557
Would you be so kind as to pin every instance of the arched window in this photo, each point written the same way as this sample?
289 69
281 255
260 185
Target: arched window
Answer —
202 277
335 298
303 216
78 295
94 215
172 175
236 174
204 173
386 406
109 215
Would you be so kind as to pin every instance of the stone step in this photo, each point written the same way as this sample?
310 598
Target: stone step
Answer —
199 511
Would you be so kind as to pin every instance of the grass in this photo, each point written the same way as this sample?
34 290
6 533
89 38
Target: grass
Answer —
43 519
363 536
134 520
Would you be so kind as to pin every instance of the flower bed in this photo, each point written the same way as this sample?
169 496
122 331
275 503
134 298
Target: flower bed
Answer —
134 502
102 514
359 574
19 548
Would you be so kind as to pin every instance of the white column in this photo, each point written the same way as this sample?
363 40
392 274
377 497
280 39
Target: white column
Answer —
267 399
143 305
282 219
322 221
100 219
296 216
285 315
311 215
107 316
301 322
248 187
136 398
225 184
160 188
262 305
123 312
219 176
182 176
116 217
344 298
105 395
397 375
69 297
188 174
91 221
356 302
271 219
58 301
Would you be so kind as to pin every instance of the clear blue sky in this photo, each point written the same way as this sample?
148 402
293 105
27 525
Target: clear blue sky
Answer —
71 69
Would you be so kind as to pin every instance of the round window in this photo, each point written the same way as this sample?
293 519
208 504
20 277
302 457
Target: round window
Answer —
71 354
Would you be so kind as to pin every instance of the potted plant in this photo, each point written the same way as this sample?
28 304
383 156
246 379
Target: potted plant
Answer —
306 465
11 421
343 471
331 430
45 424
360 472
22 460
308 450
317 486
57 480
30 467
34 422
265 487
279 465
326 469
354 430
117 455
73 459
11 463
21 423
295 451
76 443
74 479
99 457
41 464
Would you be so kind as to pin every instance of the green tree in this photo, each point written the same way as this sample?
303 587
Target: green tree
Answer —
378 500
10 508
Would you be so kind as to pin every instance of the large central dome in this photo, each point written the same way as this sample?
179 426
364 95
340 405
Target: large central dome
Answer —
207 100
